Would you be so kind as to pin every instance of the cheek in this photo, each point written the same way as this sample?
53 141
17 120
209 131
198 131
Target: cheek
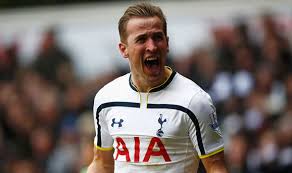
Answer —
137 53
163 46
135 61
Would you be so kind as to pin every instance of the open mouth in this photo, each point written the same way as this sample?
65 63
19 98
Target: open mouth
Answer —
151 62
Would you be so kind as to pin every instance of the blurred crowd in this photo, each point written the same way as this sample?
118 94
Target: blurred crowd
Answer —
46 122
248 73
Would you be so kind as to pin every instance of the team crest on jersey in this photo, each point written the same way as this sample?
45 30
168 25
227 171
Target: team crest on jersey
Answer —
214 122
160 132
119 123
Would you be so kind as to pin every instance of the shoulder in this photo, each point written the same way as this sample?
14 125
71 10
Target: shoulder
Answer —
197 97
187 87
111 89
181 91
201 104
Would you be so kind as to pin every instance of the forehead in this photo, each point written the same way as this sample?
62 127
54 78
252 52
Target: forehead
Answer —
142 25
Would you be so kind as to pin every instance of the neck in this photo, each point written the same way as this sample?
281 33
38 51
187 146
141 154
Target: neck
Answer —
146 85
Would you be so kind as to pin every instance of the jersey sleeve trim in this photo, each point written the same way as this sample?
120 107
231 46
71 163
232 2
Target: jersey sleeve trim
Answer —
212 153
104 149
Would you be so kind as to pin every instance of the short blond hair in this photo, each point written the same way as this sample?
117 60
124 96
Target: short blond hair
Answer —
142 9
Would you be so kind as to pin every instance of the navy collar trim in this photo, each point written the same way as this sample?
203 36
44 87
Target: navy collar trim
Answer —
155 89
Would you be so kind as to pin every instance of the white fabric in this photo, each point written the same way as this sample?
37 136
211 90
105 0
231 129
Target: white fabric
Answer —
167 132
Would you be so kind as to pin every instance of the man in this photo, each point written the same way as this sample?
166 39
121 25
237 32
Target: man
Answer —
153 120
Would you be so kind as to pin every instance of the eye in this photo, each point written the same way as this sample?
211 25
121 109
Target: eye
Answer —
141 40
158 37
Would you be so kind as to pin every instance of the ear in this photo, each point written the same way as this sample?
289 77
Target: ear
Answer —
123 49
167 40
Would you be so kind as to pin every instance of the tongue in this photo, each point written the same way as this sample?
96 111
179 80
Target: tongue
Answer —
152 67
151 63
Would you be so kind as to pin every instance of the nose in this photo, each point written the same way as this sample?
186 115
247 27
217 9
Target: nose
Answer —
151 45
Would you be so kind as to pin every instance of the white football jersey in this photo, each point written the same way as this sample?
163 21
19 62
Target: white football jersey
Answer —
164 131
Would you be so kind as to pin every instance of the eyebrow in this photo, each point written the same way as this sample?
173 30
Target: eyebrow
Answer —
145 35
141 36
158 34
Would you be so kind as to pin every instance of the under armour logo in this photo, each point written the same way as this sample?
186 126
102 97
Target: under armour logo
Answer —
159 131
119 122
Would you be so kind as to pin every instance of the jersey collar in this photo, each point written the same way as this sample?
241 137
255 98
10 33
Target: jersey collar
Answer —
158 88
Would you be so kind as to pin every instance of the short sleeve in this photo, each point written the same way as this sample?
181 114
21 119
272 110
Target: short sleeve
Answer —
204 128
102 139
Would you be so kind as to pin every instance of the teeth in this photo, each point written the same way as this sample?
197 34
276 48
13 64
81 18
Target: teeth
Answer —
151 58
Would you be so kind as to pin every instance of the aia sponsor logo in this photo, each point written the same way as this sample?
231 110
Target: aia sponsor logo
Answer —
155 149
